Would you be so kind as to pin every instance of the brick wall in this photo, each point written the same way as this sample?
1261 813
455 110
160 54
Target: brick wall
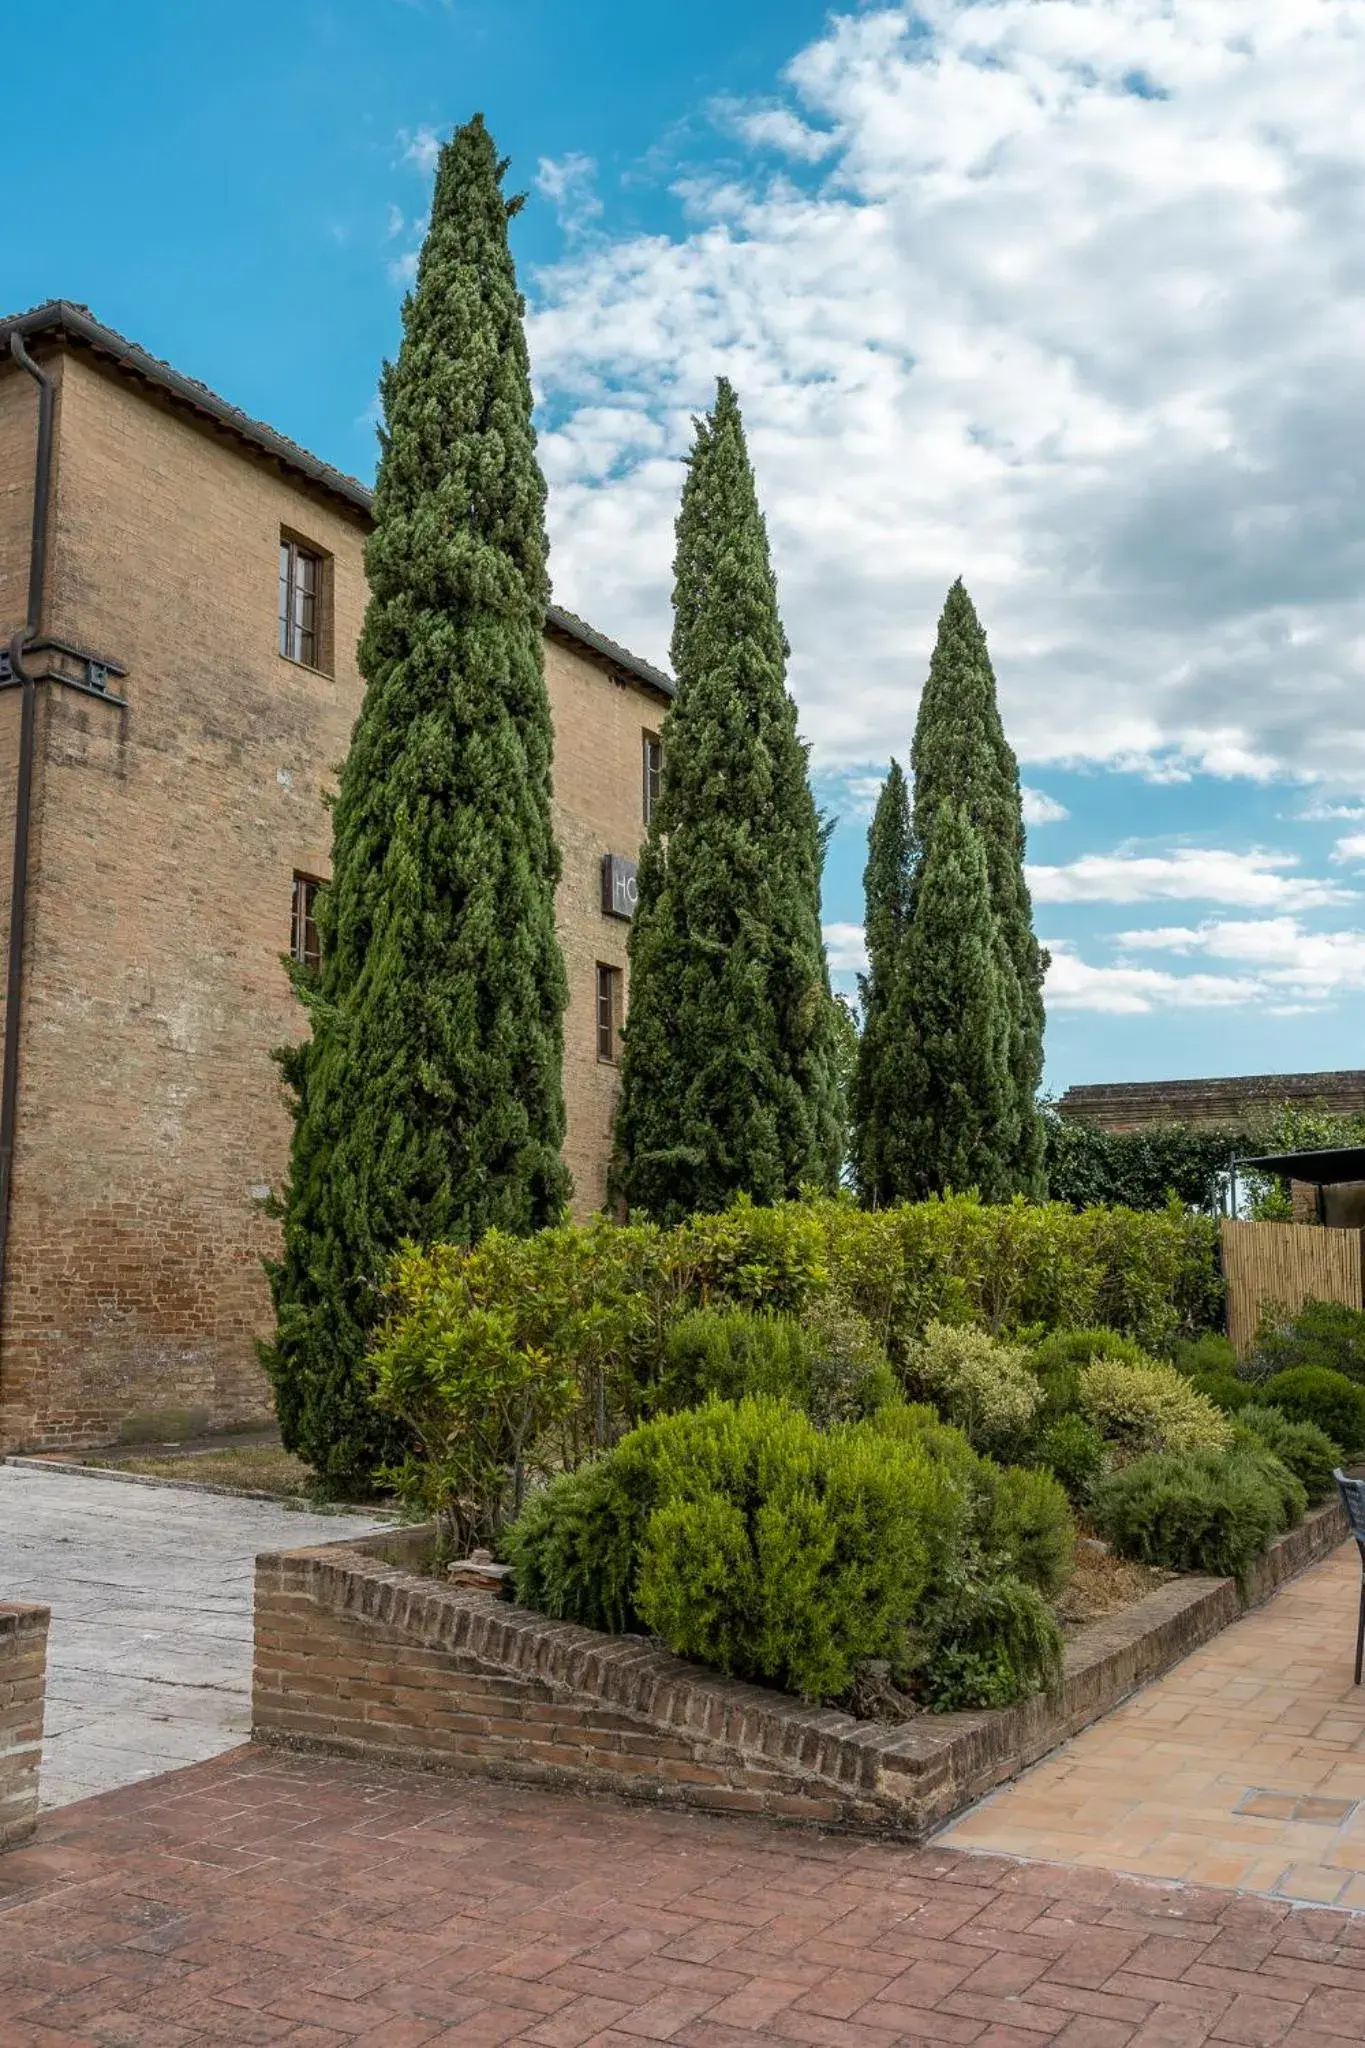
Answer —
23 1666
357 1652
165 838
1232 1100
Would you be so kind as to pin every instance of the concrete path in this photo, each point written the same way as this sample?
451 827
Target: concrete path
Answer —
149 1655
312 1902
1244 1766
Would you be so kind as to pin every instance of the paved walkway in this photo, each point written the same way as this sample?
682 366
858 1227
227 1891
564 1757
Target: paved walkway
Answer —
320 1903
149 1656
1244 1766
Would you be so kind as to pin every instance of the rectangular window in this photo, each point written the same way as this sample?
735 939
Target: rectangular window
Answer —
301 604
304 944
654 768
608 1013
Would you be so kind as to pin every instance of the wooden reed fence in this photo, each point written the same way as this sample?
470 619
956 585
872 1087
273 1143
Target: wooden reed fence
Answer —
1288 1262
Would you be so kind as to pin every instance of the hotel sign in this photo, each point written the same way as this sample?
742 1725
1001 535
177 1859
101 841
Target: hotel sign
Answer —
618 886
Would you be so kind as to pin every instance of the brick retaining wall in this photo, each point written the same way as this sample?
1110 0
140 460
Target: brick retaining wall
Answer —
358 1653
23 1670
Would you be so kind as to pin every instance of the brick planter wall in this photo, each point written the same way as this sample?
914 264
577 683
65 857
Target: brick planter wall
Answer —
23 1671
358 1653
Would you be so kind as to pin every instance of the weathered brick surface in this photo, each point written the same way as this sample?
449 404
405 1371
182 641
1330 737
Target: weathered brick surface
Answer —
1230 1100
165 838
23 1670
359 1653
315 1901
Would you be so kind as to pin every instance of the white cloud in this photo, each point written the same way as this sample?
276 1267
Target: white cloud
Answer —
775 127
1042 809
420 146
1254 881
1351 847
845 948
1074 984
1072 305
570 184
1322 812
1290 962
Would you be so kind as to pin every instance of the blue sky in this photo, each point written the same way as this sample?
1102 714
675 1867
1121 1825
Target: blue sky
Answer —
1063 295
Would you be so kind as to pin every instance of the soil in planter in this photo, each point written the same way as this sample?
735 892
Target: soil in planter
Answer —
1103 1584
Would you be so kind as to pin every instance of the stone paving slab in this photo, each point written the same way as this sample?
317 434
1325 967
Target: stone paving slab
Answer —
149 1653
1243 1766
319 1902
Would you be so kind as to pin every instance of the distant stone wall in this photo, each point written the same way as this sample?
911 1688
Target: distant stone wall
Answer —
1232 1101
23 1672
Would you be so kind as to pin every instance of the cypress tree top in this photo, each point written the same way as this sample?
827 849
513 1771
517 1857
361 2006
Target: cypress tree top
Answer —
960 754
429 1101
729 1079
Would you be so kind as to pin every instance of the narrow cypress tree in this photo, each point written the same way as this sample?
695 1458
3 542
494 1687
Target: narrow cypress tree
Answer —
729 1080
428 1100
880 1100
960 753
951 1016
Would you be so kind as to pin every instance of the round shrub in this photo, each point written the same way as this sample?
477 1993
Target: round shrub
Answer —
1149 1409
575 1546
1310 1393
981 1385
1224 1389
781 1553
723 1354
1073 1450
1031 1530
1207 1354
1326 1334
1307 1450
1060 1358
1207 1511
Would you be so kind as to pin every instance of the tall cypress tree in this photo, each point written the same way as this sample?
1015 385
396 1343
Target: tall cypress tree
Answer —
729 1079
880 1098
428 1099
960 753
951 1015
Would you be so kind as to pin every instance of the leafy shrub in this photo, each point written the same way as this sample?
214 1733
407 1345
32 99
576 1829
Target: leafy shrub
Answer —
1059 1359
1073 1450
782 1554
1307 1450
1224 1389
850 1374
766 1547
1206 1511
1141 1169
989 1641
477 1403
725 1353
1031 1529
575 1547
1149 1408
1323 1334
1310 1393
1207 1354
982 1386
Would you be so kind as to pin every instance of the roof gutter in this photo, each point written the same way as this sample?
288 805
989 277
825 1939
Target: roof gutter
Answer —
23 797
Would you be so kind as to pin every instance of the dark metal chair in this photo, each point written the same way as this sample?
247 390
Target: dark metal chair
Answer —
1352 1493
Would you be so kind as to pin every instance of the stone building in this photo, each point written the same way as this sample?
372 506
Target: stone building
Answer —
190 628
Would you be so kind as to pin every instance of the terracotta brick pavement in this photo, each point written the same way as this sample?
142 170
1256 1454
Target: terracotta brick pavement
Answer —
262 1898
1243 1766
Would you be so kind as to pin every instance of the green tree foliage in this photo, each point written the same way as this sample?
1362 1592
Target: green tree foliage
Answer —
428 1100
961 756
729 1079
1139 1169
958 1123
881 1095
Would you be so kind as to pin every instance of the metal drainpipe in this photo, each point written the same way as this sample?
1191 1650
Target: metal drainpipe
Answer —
23 795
